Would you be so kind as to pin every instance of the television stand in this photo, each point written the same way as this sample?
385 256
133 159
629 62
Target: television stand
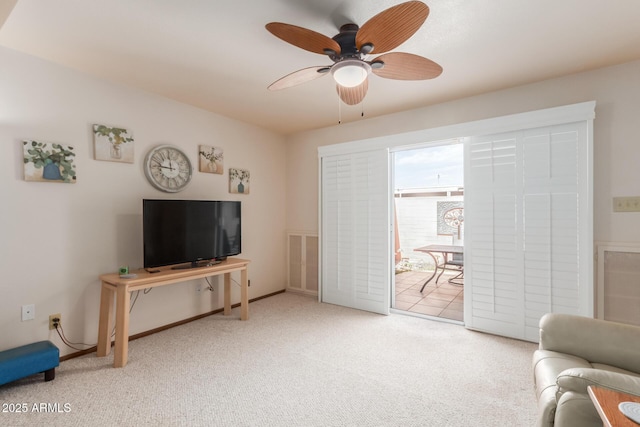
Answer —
115 286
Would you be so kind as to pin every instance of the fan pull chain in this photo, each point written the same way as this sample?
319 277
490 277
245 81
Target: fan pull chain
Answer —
339 107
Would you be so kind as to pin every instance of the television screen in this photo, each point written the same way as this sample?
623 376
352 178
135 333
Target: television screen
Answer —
191 232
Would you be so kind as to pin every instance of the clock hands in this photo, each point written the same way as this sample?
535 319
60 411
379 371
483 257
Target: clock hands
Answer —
166 161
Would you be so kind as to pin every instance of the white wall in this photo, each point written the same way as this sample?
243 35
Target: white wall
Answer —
616 132
56 239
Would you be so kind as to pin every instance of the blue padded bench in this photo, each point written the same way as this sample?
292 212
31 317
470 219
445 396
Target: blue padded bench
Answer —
28 360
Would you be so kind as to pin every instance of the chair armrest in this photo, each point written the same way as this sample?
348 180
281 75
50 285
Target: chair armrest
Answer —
595 340
578 379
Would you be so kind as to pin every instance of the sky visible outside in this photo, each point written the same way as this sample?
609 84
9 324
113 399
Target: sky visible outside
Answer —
441 166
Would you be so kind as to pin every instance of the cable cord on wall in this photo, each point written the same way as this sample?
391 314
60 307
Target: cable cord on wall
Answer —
64 339
209 285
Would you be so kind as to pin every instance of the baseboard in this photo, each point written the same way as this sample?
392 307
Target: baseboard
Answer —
303 292
165 327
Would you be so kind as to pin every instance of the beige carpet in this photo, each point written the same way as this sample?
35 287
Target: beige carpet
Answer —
296 362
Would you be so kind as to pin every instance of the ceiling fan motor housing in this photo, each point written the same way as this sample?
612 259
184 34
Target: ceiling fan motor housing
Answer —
347 41
350 69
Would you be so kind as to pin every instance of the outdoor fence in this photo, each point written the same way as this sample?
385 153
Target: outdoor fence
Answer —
418 214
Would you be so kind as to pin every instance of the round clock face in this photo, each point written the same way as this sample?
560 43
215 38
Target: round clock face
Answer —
168 168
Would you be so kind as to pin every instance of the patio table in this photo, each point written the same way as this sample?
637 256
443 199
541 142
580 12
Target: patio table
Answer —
446 251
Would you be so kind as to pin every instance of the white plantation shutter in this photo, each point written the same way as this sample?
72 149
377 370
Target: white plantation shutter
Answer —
491 265
528 242
355 230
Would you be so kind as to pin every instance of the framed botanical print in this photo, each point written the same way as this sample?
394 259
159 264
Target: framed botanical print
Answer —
49 162
210 159
113 144
238 181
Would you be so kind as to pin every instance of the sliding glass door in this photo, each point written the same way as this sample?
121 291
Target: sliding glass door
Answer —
528 218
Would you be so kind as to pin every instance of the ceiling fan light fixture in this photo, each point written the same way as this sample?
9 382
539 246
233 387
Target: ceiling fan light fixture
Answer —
350 72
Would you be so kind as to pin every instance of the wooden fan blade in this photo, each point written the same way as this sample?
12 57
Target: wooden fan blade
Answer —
303 38
406 66
392 27
298 77
353 95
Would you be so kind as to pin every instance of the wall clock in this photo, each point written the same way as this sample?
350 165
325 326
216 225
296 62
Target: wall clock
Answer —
168 168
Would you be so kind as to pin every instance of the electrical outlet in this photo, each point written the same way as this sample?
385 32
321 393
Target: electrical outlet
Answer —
28 312
51 321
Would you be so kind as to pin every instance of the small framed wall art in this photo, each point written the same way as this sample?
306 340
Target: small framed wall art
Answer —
238 181
112 144
49 162
448 224
211 159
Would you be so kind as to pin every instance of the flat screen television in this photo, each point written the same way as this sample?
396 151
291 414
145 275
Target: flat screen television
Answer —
190 233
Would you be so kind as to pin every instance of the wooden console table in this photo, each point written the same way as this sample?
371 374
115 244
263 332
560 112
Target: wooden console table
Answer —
114 285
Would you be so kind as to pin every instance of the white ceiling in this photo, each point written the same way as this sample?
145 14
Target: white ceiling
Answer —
217 54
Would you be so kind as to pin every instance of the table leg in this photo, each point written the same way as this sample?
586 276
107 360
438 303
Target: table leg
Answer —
244 295
444 263
227 294
106 320
435 271
121 349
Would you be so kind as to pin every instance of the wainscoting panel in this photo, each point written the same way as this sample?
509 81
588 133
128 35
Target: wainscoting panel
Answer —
302 273
618 291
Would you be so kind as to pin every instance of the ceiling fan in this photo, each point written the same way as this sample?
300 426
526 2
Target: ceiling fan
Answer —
350 48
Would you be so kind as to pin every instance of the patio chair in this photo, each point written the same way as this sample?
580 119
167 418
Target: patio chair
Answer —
455 263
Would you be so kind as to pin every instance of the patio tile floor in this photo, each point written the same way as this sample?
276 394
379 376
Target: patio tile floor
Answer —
444 300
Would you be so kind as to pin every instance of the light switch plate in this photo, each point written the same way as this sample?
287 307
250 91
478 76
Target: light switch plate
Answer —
626 204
